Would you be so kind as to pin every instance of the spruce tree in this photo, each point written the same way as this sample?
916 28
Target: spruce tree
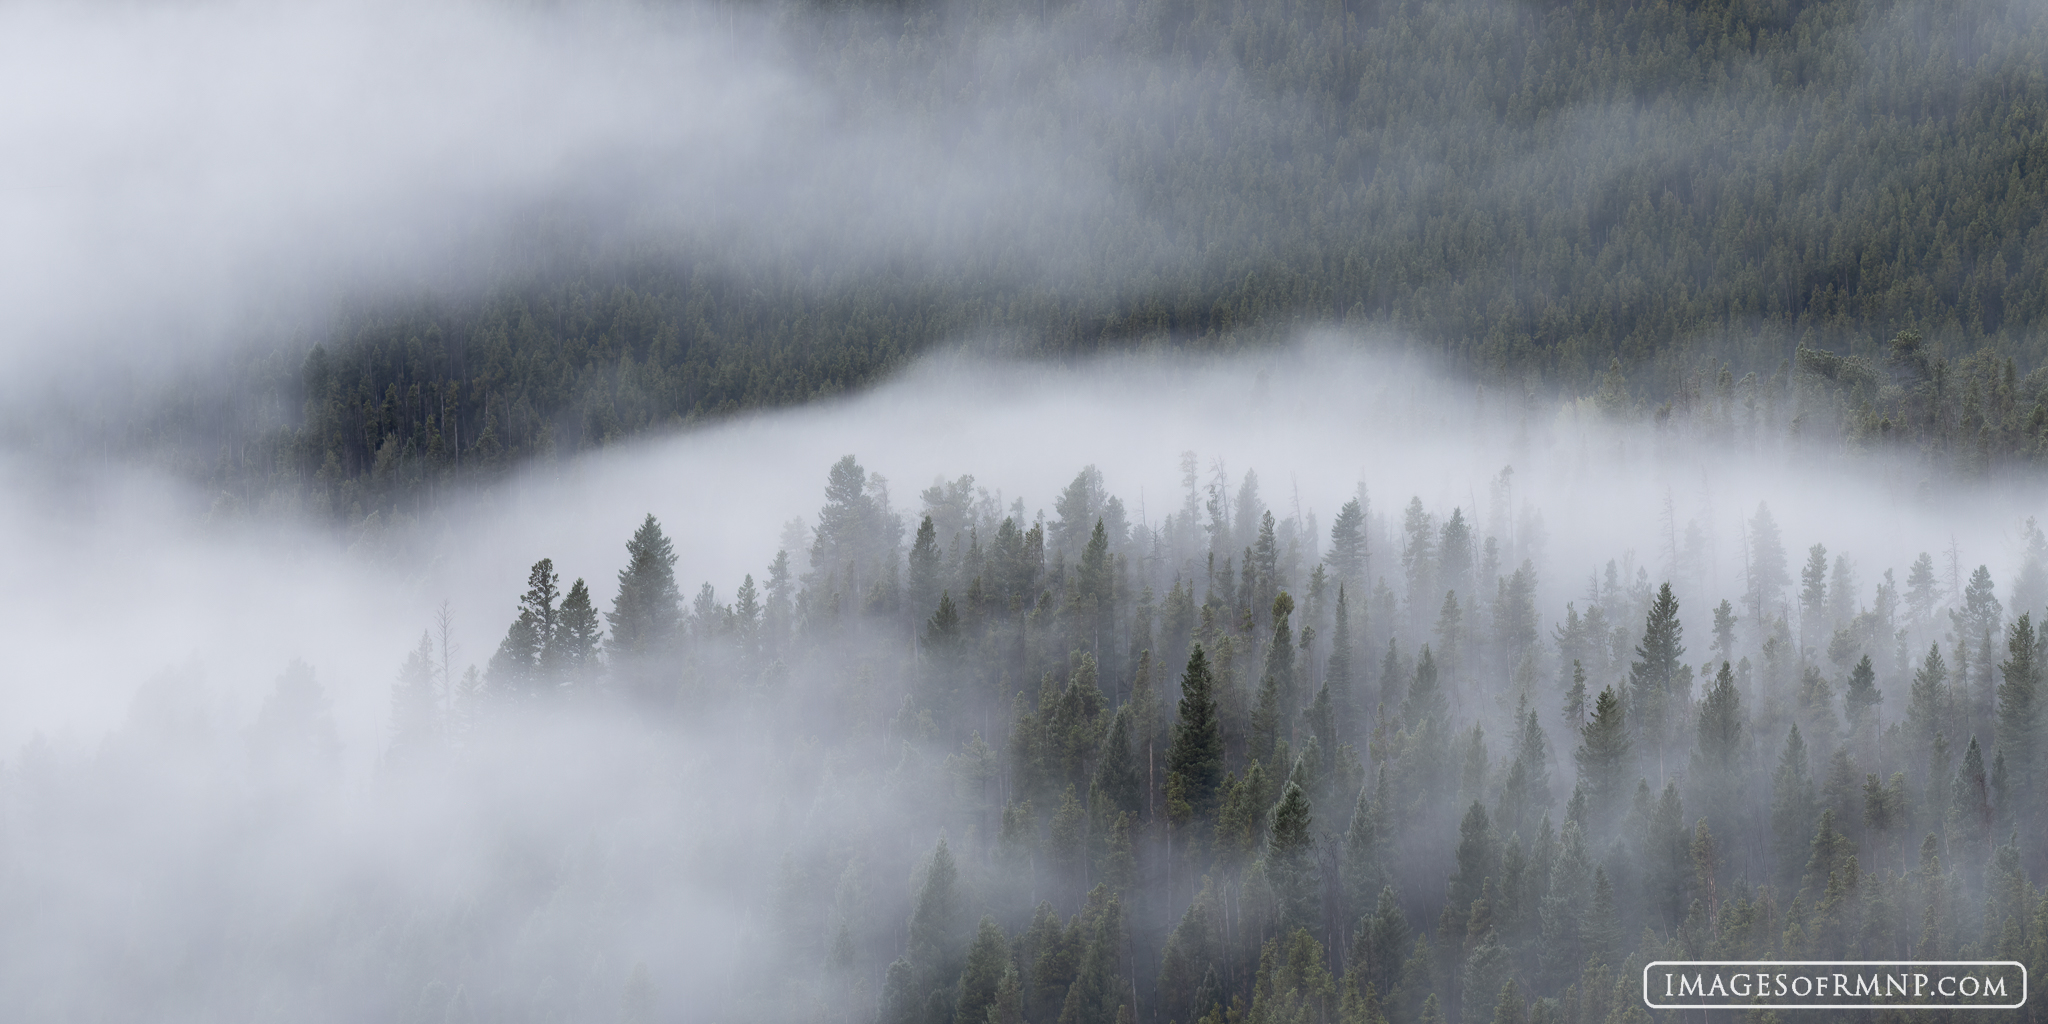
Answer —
1767 575
1425 703
1290 862
1860 700
1655 690
1194 759
648 608
1927 705
1792 807
2019 713
1602 758
988 959
577 635
924 565
1348 546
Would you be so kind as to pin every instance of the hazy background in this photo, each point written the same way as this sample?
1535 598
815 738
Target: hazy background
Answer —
183 182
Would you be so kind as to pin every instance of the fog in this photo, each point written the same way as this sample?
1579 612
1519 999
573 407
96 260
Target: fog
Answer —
183 178
159 834
227 794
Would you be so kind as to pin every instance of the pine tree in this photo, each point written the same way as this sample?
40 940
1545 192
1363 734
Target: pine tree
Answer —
1575 698
518 666
935 922
1792 806
2019 714
1724 631
648 608
1921 589
577 635
988 960
1602 759
1813 596
1654 678
1767 575
1348 546
1194 759
1118 788
1337 674
1717 770
1425 702
1290 862
1927 706
1860 700
924 565
1362 868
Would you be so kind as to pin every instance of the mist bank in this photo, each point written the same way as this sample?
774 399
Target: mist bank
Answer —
513 229
790 796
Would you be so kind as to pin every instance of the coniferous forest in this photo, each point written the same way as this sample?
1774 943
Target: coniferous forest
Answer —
1651 561
1710 198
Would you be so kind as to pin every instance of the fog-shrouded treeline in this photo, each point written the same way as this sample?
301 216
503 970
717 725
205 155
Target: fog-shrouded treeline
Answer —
970 760
1792 191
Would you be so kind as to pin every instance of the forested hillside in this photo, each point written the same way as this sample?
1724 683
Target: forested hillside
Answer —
1533 192
1079 768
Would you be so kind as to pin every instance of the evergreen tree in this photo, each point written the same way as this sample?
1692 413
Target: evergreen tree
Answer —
1655 688
1927 714
924 565
1860 700
988 960
648 608
1194 758
519 667
1337 673
1119 788
1767 574
1792 807
1717 770
1813 596
1425 703
1922 594
936 922
1602 759
2019 712
1348 550
577 635
1290 862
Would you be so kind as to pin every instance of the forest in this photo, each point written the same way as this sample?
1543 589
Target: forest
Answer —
1169 789
1222 765
1731 196
1647 564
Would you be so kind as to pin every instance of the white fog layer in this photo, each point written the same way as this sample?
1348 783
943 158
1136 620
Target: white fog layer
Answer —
171 820
540 512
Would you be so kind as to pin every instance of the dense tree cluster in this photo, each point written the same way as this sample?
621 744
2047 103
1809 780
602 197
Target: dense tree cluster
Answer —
1230 767
1825 204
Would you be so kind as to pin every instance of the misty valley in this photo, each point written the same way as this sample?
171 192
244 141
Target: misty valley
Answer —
1069 512
1244 759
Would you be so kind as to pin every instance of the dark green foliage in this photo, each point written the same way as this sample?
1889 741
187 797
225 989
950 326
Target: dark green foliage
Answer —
2019 711
1656 684
988 960
1425 702
648 607
573 650
1603 760
1194 761
1118 788
526 663
1290 862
